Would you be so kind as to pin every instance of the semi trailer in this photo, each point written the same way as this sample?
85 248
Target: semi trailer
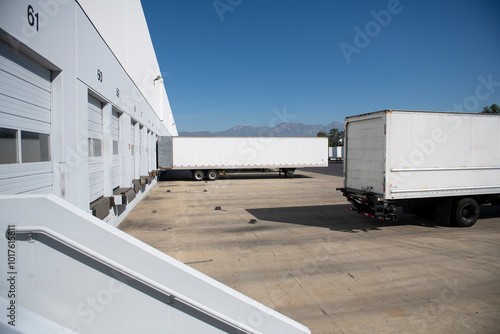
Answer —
427 163
336 153
209 157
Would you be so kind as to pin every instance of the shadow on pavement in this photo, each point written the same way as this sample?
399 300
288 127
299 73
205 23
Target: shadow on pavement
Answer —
334 168
489 211
335 217
183 175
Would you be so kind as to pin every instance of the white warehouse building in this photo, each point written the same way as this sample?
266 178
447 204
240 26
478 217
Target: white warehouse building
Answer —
82 103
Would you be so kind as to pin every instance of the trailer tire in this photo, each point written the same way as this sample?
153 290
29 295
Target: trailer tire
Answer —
212 175
198 175
465 212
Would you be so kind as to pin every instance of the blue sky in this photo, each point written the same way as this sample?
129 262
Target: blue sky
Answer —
260 62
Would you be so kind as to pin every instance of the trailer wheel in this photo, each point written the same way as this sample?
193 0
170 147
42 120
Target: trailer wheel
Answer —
212 175
465 212
198 175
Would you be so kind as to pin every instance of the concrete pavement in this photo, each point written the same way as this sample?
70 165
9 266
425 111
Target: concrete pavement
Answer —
293 246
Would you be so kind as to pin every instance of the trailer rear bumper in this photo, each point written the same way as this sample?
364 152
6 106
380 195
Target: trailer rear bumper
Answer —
370 204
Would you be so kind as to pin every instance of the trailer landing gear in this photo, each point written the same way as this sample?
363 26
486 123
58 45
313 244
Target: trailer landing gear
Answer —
288 172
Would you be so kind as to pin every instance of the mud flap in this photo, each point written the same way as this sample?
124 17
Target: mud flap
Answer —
443 209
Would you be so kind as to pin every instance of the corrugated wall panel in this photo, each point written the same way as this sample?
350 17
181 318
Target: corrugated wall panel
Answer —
33 178
96 174
115 133
132 148
95 118
96 164
11 106
22 90
115 126
23 67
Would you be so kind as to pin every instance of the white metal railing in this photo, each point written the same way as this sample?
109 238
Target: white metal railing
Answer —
32 231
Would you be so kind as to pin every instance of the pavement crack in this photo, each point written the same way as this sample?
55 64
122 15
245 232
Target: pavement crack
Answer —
472 330
179 252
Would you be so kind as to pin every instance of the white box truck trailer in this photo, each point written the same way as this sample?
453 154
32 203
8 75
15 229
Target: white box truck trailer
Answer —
208 157
336 153
428 163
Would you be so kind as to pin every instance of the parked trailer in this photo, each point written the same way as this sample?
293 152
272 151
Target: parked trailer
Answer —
425 162
208 157
336 153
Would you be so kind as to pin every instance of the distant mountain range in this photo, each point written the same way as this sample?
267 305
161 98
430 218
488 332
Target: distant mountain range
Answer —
280 130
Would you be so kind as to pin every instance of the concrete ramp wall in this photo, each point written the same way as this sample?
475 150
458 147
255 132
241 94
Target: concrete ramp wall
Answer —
66 271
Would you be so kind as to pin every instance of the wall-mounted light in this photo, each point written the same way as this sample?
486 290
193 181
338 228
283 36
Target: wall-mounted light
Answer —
156 79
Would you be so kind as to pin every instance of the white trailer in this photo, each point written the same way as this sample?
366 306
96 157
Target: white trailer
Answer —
336 153
426 162
208 157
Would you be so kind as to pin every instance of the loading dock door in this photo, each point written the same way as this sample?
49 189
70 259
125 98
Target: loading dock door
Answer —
96 165
140 155
25 124
132 148
115 133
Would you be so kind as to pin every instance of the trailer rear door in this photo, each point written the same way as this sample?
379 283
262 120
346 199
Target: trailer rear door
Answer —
365 153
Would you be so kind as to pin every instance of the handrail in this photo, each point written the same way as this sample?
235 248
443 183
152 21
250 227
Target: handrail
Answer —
31 232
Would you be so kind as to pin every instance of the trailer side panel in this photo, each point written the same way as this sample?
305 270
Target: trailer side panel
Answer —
246 152
442 154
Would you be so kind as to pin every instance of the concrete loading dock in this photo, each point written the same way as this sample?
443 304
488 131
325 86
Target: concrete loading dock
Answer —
293 246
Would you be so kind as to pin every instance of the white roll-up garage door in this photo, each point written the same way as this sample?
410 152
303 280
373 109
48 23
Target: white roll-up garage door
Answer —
150 151
132 148
25 124
141 155
115 133
96 166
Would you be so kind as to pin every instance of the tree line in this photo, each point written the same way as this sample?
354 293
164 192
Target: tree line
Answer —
493 109
335 137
